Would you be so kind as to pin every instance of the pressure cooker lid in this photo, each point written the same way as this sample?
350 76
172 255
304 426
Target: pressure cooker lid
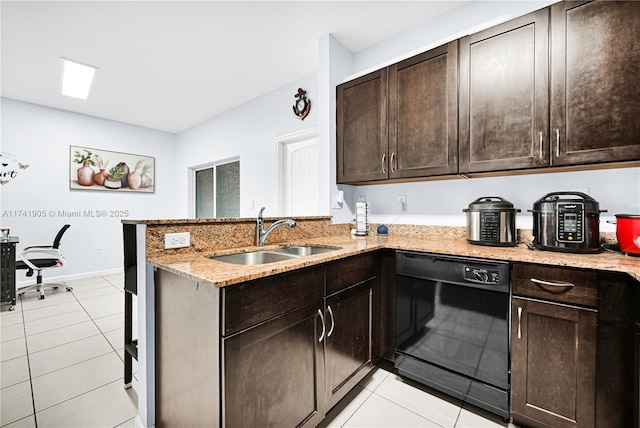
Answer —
549 201
494 203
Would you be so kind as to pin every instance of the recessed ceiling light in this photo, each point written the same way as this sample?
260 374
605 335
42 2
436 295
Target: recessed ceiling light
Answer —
77 79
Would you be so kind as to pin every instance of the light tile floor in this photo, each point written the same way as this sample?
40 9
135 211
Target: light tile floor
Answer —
384 400
62 358
61 365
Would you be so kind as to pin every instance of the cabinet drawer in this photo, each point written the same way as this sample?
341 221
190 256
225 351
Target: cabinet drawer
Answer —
559 284
351 271
252 302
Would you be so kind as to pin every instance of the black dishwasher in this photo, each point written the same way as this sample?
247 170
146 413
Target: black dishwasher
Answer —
452 326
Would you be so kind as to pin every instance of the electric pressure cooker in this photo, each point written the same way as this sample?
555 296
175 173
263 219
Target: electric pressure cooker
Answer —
491 220
568 222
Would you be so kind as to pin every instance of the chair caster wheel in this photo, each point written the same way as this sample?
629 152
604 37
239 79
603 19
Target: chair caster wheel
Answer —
55 287
12 308
41 297
69 288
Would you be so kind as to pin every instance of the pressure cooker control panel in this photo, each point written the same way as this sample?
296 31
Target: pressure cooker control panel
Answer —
570 221
490 226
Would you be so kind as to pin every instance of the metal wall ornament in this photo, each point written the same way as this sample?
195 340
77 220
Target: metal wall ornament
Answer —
302 106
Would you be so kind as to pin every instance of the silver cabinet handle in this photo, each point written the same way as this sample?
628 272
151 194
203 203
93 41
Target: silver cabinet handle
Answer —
519 323
333 322
557 142
323 329
553 284
384 158
541 141
391 162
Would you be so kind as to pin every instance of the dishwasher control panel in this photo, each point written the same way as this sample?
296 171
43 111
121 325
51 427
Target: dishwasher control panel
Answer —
481 275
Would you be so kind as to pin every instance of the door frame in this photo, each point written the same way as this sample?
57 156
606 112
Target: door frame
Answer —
280 142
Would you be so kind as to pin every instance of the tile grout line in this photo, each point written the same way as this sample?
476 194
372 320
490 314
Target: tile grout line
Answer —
101 333
26 345
97 326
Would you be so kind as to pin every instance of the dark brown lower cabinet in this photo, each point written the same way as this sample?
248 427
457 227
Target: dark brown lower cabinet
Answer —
294 344
348 344
271 373
553 364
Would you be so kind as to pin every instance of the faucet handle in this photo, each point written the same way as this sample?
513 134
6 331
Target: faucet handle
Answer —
261 211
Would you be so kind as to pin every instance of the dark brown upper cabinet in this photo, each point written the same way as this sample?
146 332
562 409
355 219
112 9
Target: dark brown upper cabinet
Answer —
400 122
423 114
504 100
362 130
595 84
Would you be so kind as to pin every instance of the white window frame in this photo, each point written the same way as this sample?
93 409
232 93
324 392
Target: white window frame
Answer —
192 181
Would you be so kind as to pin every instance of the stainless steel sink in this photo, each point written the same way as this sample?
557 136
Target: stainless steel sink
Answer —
272 256
303 250
253 258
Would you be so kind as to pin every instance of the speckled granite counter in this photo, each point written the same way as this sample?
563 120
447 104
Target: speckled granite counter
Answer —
199 267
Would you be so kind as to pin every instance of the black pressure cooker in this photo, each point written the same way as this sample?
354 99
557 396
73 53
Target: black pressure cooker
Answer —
566 221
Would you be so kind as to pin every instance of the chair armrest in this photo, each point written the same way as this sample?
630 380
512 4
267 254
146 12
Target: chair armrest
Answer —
33 253
37 246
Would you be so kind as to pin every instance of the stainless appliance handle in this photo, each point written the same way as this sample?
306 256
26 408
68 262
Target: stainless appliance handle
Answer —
323 328
393 155
333 321
519 323
384 169
553 284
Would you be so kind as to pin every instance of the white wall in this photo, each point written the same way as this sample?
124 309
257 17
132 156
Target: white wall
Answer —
41 136
248 132
442 202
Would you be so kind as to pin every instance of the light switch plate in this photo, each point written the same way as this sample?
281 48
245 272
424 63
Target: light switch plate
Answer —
177 240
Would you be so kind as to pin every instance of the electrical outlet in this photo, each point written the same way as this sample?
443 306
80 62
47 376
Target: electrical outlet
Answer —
177 240
402 200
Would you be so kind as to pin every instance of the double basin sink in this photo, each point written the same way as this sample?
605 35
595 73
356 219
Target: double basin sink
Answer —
271 256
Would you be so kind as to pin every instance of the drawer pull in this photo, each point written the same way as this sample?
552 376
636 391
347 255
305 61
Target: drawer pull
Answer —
519 319
323 329
333 322
552 284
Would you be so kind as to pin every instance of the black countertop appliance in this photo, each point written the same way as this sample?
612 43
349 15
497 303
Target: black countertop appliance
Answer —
568 222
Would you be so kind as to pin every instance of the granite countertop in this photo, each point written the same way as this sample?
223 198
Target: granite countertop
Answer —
199 267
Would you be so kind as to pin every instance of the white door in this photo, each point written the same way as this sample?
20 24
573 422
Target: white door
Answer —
299 174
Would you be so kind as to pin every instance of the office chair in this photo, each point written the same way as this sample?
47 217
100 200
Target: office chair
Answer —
39 257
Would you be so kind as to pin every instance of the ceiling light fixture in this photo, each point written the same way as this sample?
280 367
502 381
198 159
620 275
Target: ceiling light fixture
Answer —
77 78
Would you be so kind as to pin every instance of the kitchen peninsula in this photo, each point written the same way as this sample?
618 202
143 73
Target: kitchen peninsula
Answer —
190 339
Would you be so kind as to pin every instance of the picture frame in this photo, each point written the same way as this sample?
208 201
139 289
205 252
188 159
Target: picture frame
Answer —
106 170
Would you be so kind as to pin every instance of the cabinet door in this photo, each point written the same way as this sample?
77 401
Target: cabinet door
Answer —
423 113
504 100
595 96
348 346
362 131
272 373
553 358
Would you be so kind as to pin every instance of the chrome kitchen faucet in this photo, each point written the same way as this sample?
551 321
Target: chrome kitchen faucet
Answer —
261 234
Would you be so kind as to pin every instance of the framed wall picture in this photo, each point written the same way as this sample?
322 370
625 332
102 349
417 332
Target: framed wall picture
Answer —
97 169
